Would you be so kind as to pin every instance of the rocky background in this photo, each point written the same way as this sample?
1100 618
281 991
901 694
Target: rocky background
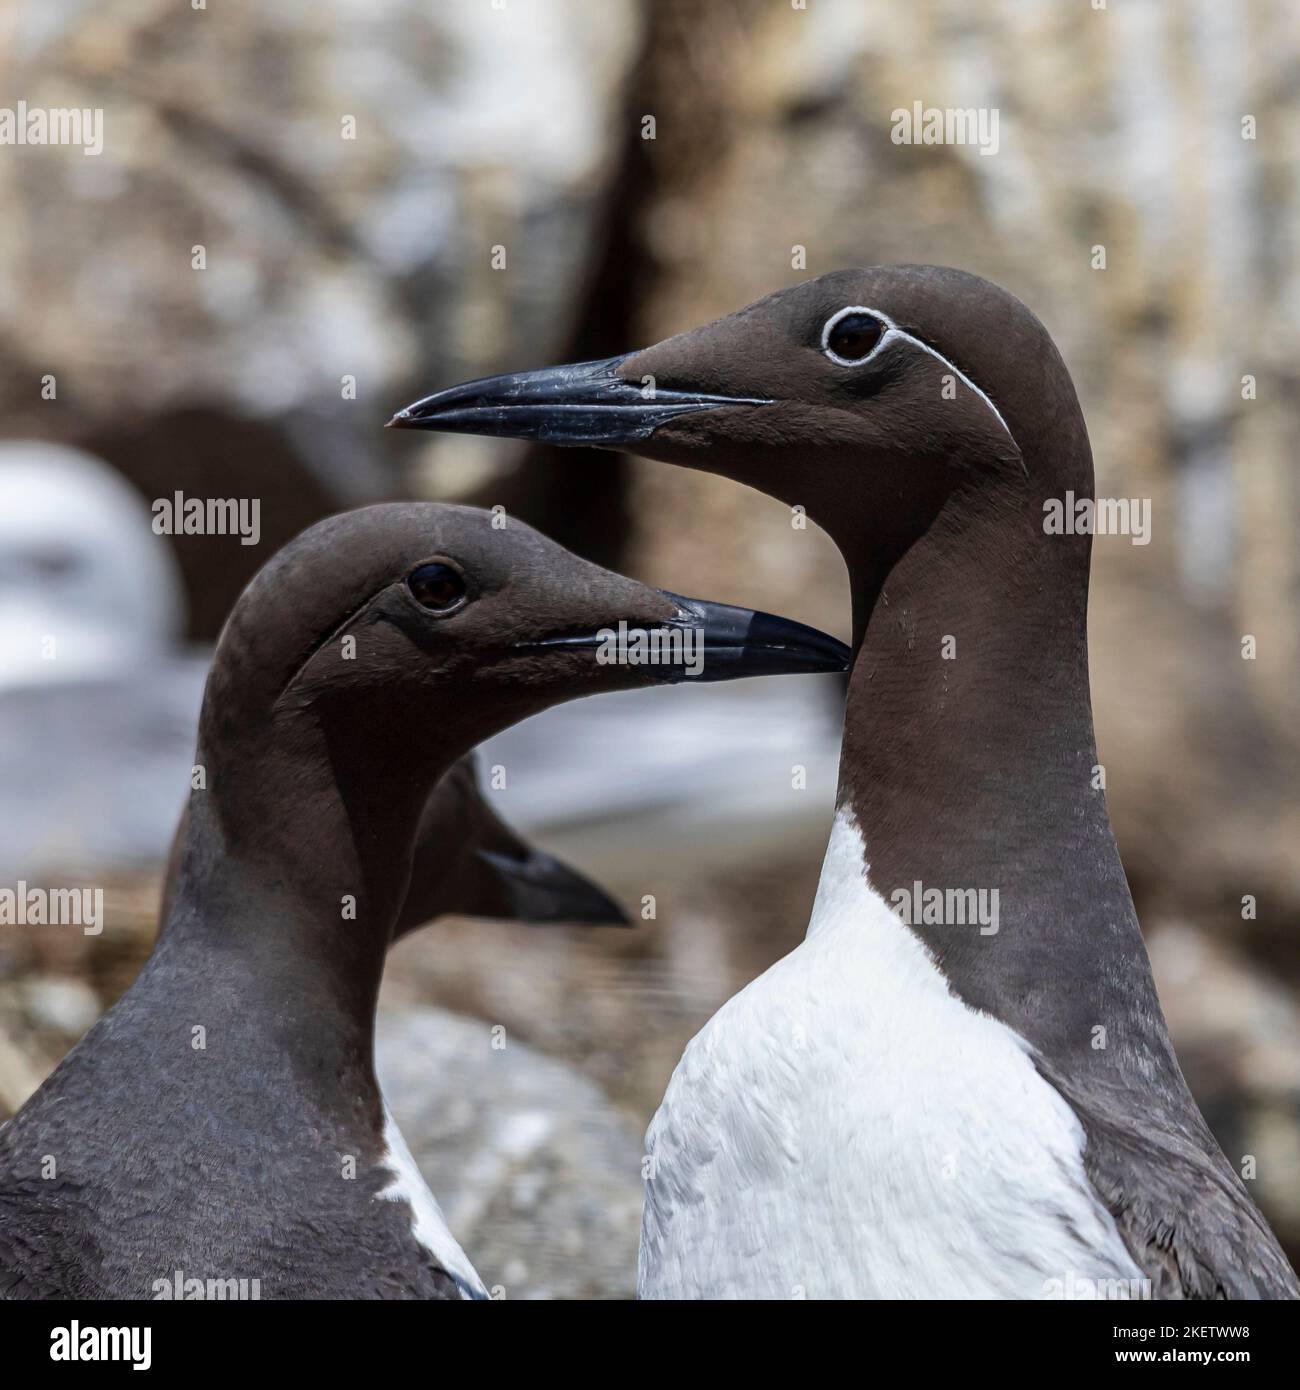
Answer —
345 173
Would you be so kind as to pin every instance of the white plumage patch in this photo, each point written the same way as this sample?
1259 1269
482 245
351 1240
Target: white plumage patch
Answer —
846 1127
428 1225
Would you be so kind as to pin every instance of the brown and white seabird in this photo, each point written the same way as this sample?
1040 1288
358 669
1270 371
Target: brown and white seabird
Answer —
915 1102
222 1121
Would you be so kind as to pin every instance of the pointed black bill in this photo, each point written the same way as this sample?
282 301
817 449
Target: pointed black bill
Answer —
537 887
743 642
582 404
707 641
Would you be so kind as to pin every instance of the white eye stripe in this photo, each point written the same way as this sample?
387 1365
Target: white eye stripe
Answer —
892 333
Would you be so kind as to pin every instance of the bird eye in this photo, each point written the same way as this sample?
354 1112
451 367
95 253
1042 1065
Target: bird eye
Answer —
437 587
852 336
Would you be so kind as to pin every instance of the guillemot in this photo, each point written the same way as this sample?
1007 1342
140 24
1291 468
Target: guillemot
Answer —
222 1120
903 1106
99 701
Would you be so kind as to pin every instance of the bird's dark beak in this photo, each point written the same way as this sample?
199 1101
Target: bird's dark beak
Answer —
583 404
705 641
537 887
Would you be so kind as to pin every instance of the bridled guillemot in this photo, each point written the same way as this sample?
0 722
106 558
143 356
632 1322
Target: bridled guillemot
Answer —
914 1108
222 1120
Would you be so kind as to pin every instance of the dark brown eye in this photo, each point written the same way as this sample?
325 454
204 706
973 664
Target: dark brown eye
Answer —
853 336
437 587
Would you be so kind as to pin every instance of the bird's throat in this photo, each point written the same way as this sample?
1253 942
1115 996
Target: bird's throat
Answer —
970 765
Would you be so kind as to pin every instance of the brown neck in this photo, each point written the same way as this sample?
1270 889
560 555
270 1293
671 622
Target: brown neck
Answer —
297 856
969 762
971 677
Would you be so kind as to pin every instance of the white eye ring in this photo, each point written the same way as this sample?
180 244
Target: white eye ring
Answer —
892 332
886 322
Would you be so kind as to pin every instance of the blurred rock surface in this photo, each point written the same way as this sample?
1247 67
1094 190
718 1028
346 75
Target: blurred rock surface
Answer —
538 1175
